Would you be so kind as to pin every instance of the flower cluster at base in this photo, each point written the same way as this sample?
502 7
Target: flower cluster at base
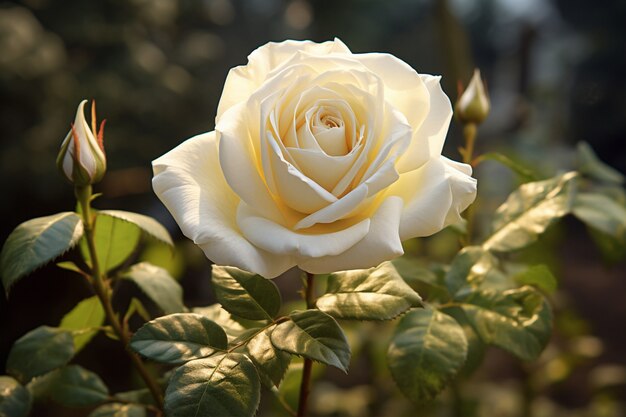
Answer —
320 158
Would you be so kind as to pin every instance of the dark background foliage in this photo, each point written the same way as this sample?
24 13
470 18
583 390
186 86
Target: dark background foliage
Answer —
555 71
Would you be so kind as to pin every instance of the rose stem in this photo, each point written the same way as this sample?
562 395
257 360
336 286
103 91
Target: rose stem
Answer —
305 385
469 133
103 291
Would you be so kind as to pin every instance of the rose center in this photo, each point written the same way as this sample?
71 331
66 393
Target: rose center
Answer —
328 128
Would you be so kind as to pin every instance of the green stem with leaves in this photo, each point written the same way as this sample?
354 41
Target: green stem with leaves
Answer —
103 291
305 385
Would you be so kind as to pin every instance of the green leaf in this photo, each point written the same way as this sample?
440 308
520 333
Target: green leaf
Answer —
427 350
539 276
36 242
119 410
518 321
271 362
411 271
145 223
592 166
178 338
71 386
524 174
529 211
215 312
40 351
314 335
115 241
476 268
221 385
245 294
138 396
15 399
368 294
601 213
70 266
476 348
87 316
158 285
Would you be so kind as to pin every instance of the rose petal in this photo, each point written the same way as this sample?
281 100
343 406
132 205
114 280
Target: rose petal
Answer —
294 188
189 181
243 80
428 139
382 243
434 196
239 163
277 239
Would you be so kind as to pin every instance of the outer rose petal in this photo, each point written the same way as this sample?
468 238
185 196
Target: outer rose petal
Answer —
382 243
243 80
190 183
428 139
434 196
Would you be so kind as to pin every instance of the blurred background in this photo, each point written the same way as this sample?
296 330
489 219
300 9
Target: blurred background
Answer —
556 72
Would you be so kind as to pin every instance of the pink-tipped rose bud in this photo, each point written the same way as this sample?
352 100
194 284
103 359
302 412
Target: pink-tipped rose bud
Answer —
81 159
473 105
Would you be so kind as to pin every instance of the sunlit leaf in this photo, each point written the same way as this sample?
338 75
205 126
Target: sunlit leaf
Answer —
475 267
86 317
40 351
539 276
427 350
529 211
158 285
115 241
119 410
145 223
314 335
592 166
178 338
271 362
15 399
518 320
476 348
138 396
36 242
71 386
225 384
245 294
601 213
368 294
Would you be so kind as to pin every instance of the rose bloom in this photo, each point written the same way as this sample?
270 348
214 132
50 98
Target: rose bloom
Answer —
320 158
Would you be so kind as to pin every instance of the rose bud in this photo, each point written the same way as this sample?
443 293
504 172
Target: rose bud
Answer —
473 105
81 159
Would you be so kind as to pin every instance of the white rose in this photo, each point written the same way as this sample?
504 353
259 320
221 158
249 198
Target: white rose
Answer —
320 158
